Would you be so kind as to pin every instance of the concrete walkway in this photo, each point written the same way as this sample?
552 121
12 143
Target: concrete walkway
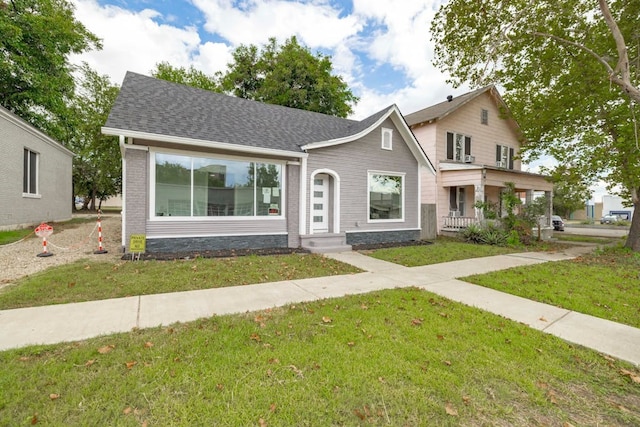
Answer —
71 322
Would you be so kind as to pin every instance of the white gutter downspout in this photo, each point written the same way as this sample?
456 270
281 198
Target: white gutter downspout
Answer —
123 213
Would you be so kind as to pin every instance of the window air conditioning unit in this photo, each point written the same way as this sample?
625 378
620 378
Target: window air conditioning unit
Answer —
469 159
501 164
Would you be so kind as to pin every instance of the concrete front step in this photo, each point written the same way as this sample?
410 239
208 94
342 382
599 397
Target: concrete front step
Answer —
325 243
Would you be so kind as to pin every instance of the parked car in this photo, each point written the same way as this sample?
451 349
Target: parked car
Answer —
558 223
609 219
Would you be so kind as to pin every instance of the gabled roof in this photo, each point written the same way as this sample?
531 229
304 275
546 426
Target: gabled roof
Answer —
150 108
443 109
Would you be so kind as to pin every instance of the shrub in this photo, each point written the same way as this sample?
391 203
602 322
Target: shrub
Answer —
472 234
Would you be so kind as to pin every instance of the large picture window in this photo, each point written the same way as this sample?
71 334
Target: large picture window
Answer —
216 187
386 196
30 172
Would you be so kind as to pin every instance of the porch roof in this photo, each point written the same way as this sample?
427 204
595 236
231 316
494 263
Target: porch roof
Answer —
456 174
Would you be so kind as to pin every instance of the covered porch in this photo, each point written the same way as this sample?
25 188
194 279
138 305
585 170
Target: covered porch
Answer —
465 187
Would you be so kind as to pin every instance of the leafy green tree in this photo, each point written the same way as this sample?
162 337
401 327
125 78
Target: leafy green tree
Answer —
36 39
571 72
97 165
288 75
187 76
570 190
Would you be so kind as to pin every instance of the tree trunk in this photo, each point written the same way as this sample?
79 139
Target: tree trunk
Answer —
633 240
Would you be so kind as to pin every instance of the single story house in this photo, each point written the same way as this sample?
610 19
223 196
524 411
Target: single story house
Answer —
35 177
206 171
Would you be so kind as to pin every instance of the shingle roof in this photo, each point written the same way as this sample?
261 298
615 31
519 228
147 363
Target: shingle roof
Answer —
443 109
154 106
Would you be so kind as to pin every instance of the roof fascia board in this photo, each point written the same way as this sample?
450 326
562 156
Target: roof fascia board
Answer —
200 143
344 140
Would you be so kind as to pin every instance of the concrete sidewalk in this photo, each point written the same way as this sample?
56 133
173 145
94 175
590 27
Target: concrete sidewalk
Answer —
71 322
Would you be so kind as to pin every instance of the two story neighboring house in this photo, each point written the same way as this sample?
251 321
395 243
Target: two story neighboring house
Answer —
475 146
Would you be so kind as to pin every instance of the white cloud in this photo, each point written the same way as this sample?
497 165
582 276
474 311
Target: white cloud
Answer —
133 40
317 25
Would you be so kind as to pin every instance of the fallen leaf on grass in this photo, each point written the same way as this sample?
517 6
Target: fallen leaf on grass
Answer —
466 399
447 362
34 419
262 422
326 319
24 358
106 349
567 424
632 375
131 364
54 396
255 337
127 410
71 284
272 407
450 410
90 362
416 322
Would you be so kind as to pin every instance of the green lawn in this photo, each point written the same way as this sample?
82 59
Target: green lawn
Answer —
93 280
400 357
605 284
445 250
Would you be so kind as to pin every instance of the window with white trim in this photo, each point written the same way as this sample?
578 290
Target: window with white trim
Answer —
386 196
387 139
30 172
188 186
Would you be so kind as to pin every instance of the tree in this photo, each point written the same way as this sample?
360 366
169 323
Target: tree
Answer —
570 190
288 75
37 37
97 165
187 76
570 75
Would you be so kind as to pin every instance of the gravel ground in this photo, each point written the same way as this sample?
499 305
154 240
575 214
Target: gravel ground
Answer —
20 259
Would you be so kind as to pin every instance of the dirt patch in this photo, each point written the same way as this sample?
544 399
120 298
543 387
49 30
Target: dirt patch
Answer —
68 243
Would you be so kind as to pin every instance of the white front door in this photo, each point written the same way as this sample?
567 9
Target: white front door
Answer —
320 204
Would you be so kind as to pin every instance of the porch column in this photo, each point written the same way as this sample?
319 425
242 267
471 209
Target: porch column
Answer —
479 198
529 197
549 196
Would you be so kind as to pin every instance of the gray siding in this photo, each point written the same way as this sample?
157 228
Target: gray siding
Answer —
352 161
54 201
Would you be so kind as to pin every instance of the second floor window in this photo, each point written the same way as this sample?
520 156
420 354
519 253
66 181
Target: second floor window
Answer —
458 146
504 156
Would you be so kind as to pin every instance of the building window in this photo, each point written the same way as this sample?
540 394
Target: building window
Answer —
387 139
216 187
30 172
504 156
484 117
386 197
458 147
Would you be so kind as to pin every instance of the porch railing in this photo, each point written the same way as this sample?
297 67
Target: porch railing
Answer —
456 223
